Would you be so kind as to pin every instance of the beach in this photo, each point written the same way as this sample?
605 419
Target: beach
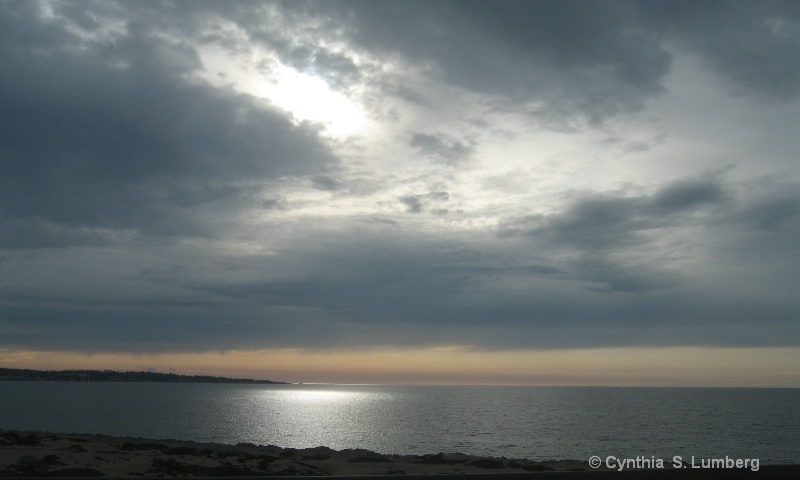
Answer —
41 454
50 454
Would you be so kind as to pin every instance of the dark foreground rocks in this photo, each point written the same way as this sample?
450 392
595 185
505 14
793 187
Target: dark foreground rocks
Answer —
36 454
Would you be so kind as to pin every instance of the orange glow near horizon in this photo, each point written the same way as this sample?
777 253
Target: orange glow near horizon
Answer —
679 366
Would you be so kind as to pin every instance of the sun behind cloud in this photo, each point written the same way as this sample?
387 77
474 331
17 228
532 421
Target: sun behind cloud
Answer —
310 98
306 97
323 177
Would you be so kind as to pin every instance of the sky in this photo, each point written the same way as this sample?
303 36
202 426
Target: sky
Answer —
452 192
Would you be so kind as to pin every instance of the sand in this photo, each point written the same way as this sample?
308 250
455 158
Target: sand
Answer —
39 454
49 454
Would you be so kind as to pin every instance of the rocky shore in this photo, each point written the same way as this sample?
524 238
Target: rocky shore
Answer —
38 454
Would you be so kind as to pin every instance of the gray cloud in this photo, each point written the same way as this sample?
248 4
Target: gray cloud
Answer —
686 195
418 203
338 69
112 135
326 182
754 46
622 242
143 209
619 277
605 222
442 148
378 285
577 58
779 208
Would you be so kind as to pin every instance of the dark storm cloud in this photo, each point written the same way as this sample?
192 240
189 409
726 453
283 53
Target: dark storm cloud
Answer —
388 285
592 59
37 233
604 222
614 276
775 209
582 56
137 210
754 45
322 293
111 134
595 227
686 195
615 240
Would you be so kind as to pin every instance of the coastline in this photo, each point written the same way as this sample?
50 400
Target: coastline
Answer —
44 454
29 375
26 454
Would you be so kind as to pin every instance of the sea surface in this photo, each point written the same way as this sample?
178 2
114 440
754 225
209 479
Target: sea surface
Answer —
538 423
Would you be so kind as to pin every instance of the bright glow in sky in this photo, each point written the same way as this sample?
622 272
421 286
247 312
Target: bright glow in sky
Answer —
680 366
309 98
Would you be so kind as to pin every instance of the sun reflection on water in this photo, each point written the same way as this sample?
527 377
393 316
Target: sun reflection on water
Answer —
320 396
303 416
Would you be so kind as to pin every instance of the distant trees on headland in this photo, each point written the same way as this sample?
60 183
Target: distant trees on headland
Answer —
115 376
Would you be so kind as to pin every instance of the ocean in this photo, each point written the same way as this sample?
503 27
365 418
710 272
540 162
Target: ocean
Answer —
538 423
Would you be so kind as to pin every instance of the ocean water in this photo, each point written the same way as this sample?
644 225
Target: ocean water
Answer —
538 423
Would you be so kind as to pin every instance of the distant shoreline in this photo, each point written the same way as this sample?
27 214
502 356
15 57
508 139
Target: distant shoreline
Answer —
29 375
